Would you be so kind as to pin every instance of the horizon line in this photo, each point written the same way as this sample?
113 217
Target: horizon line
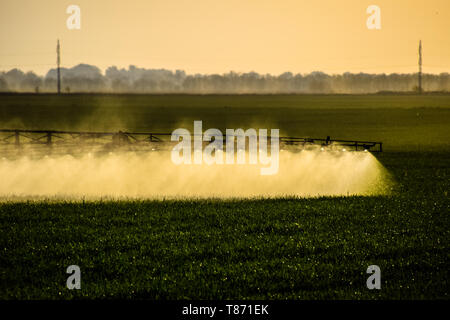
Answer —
103 71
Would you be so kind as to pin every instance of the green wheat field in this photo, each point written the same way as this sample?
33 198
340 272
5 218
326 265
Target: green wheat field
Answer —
287 248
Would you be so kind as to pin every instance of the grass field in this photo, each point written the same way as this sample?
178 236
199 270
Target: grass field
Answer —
402 122
316 248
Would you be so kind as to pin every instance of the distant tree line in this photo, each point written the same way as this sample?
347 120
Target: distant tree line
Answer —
88 78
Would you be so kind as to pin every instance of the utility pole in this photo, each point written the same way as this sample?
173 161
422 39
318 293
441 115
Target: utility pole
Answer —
420 66
58 62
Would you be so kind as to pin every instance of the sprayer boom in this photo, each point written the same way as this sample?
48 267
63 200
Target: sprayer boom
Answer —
155 140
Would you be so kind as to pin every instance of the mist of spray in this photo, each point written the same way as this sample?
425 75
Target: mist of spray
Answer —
153 175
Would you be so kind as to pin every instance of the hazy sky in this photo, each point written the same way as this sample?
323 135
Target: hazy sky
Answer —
211 36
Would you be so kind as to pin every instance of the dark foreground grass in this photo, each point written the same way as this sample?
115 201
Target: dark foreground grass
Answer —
249 249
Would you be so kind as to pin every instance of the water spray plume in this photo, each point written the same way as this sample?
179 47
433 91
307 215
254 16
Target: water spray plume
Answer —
153 175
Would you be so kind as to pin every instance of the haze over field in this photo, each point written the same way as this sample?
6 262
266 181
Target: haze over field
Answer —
88 78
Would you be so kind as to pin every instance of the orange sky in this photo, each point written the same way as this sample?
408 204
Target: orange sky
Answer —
211 36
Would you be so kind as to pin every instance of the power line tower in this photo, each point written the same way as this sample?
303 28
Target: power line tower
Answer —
420 66
58 62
